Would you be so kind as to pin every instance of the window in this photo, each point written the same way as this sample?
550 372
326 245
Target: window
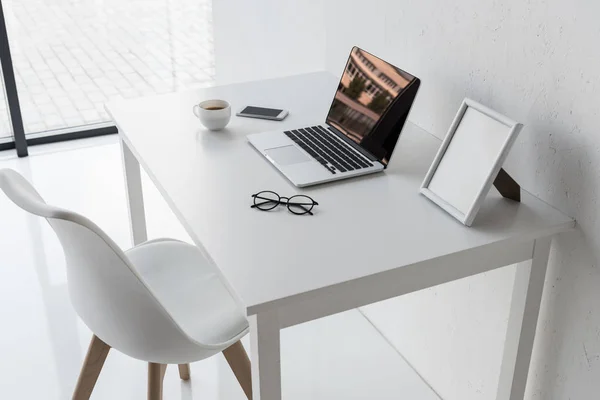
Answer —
387 80
373 90
366 62
351 70
70 57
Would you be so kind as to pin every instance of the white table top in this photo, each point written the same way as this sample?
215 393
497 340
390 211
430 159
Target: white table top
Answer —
361 227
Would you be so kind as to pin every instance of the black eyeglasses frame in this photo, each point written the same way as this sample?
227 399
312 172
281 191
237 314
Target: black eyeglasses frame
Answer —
287 201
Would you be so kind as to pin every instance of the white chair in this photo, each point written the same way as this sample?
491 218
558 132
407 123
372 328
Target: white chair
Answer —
161 302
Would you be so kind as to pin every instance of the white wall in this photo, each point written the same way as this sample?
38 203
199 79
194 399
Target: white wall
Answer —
537 61
261 39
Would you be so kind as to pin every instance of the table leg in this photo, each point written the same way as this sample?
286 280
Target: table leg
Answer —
522 323
266 364
135 196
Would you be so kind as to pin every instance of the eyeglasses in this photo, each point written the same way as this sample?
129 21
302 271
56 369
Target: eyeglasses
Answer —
268 200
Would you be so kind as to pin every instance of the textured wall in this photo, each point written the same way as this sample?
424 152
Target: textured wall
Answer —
538 62
263 39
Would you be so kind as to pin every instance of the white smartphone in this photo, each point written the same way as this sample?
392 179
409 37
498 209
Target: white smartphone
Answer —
263 113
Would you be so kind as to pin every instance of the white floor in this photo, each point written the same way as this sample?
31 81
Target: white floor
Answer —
43 342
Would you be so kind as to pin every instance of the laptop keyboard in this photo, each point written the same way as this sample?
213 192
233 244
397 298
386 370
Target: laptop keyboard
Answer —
330 152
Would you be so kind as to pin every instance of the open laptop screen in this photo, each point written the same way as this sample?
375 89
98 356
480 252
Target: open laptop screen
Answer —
369 88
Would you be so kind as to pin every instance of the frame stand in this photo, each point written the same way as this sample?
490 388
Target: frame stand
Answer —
507 186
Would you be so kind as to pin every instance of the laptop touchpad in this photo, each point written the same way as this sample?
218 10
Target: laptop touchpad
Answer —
287 155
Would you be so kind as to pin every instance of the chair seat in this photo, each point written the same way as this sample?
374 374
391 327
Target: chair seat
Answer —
189 288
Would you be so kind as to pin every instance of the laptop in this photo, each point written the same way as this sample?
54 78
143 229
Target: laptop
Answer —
358 137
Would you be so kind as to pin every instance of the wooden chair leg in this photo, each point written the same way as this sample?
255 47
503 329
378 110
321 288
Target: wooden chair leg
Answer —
163 371
155 380
240 365
184 372
94 360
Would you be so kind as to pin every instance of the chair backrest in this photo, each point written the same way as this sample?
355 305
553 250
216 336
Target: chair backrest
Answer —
106 291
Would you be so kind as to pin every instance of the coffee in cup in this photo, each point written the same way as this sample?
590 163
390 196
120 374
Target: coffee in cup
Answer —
213 114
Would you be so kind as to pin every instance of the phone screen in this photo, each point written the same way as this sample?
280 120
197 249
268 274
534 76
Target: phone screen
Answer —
265 112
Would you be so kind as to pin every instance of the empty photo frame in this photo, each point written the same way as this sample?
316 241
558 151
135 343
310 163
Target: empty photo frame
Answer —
469 160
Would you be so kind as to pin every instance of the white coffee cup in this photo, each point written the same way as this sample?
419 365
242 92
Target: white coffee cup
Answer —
214 114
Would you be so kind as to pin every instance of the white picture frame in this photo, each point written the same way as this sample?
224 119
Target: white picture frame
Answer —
468 161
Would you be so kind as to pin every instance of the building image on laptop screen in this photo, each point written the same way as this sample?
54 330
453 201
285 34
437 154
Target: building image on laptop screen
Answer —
367 87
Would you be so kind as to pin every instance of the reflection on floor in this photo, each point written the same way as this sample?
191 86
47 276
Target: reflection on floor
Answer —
43 341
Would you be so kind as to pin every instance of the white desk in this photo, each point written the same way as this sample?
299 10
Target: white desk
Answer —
371 238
